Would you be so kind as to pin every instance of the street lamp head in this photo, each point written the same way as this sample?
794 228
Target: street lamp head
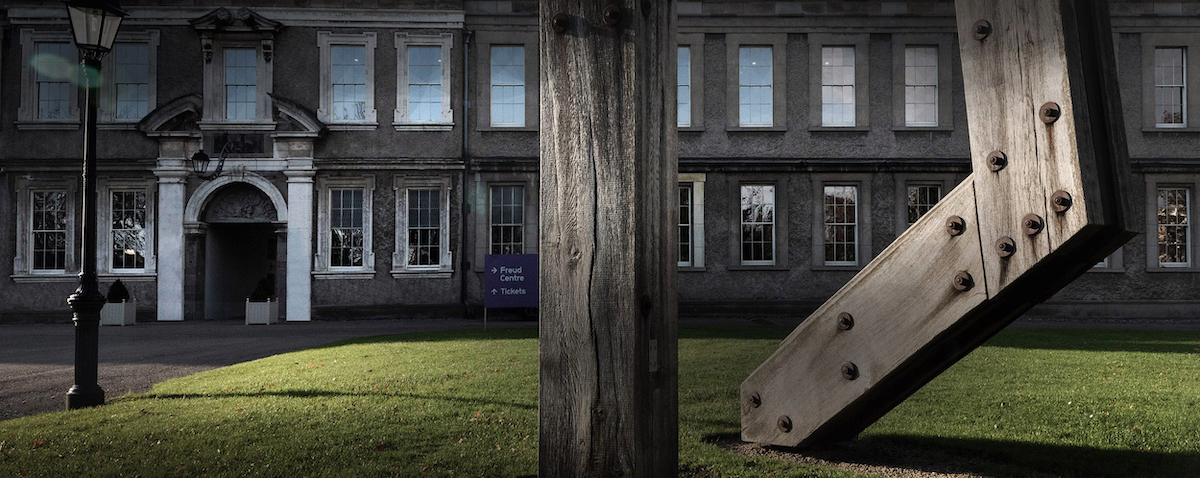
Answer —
200 163
95 24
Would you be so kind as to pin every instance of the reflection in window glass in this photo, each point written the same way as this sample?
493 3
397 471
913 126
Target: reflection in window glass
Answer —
920 86
507 220
49 230
758 224
837 86
922 198
424 84
1173 227
1170 98
241 88
424 227
841 225
349 78
754 90
508 86
346 227
128 229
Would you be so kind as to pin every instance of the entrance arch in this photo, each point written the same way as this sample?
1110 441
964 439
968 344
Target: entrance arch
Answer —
236 244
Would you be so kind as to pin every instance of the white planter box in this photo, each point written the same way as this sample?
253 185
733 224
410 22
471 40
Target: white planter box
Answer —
262 313
124 313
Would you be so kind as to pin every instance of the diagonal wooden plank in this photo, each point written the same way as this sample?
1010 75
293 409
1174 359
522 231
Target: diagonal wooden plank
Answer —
908 328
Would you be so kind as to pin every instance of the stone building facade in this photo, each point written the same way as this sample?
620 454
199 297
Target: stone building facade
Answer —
375 154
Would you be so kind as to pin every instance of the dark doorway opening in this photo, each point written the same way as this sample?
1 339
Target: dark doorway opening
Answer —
237 258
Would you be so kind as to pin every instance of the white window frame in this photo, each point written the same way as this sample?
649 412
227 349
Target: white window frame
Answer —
826 49
445 41
107 111
483 71
694 42
696 182
743 86
941 192
1190 43
774 225
863 249
1154 182
214 116
23 270
1187 227
683 120
27 113
936 86
492 87
325 43
945 44
1183 89
321 264
105 186
855 224
524 215
401 184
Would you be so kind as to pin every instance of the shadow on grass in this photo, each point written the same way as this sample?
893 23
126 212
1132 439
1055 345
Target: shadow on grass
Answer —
460 335
909 453
323 394
1097 340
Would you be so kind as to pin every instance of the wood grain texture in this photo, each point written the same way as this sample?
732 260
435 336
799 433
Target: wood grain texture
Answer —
1037 51
900 301
608 284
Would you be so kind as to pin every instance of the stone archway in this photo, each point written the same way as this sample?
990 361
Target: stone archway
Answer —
235 240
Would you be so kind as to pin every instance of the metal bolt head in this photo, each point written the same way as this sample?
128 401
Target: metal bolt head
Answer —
612 14
845 321
997 160
981 29
955 225
1060 201
784 423
849 371
1049 112
963 281
755 400
559 22
1006 247
1032 224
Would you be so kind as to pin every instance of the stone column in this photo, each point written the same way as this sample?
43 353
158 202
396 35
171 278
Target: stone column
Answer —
299 240
172 178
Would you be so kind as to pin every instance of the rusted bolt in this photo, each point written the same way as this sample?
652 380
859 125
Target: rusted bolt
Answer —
849 371
955 225
612 14
997 160
755 400
963 281
981 29
1006 247
1033 224
1060 201
845 321
784 423
559 22
1049 112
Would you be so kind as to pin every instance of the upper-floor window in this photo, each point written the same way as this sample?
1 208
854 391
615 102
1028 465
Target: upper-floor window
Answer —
921 199
920 86
841 225
54 74
132 81
241 84
423 82
758 224
1173 227
508 85
755 96
837 86
349 82
1170 87
683 96
507 220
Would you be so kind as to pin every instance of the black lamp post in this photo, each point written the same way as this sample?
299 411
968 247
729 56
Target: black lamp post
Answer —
95 25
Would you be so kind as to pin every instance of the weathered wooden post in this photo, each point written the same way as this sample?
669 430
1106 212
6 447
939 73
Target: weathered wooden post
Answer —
1046 202
608 387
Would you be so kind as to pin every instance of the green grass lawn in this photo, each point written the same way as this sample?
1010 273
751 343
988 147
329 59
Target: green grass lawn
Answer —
1047 402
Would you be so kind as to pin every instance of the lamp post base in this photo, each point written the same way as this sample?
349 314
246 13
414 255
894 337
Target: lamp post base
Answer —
85 397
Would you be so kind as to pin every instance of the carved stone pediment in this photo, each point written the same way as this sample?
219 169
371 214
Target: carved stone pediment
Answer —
240 203
241 20
174 118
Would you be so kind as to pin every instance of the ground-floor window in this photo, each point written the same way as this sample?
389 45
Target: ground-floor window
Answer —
507 219
921 199
422 225
128 214
758 224
685 224
49 230
841 225
1173 227
344 226
45 228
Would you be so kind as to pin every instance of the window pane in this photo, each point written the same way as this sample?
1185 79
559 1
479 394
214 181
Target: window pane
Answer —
424 227
1170 95
837 86
346 227
241 96
841 225
755 86
758 224
55 70
683 96
685 224
507 219
508 85
1173 226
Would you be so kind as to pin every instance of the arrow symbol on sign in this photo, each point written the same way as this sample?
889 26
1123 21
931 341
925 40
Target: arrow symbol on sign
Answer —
493 291
493 270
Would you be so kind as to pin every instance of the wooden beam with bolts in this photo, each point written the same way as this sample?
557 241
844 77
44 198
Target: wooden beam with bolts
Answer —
1046 201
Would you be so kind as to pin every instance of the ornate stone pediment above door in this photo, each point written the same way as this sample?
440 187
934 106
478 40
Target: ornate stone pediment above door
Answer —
240 203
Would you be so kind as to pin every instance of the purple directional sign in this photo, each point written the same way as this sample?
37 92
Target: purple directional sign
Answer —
510 280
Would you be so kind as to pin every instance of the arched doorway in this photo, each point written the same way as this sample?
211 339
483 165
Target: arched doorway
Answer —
240 249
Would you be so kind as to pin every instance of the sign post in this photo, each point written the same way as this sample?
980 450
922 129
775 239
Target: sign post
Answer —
510 281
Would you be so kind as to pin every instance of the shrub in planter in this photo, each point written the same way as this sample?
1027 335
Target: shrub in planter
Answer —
120 308
261 308
262 292
117 293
